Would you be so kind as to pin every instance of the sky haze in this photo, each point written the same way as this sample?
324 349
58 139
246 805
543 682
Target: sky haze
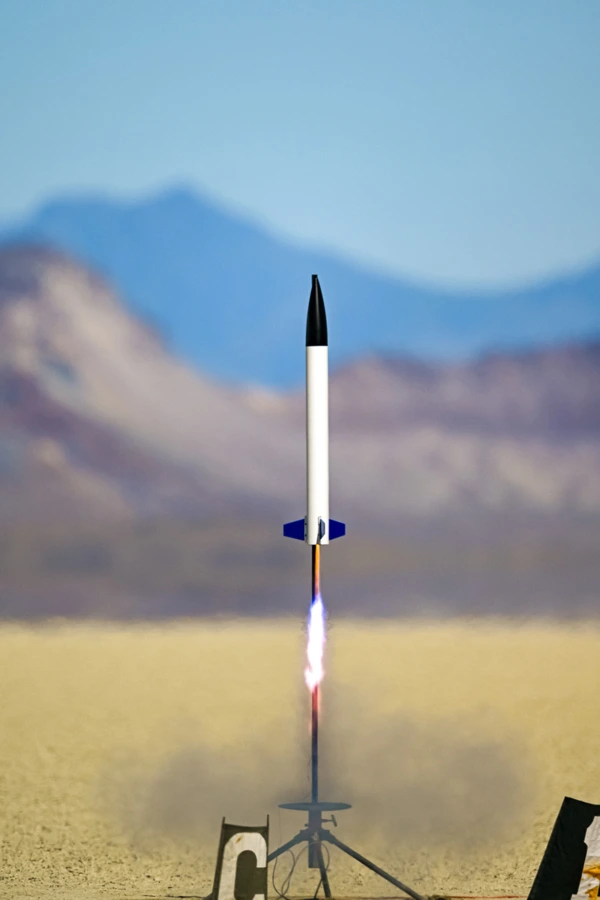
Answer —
453 142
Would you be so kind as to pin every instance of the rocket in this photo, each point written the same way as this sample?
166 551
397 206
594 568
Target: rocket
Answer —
316 527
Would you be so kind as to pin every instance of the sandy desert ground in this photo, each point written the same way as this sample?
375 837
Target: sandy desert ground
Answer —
122 747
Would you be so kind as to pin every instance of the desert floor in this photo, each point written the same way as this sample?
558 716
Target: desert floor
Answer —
121 748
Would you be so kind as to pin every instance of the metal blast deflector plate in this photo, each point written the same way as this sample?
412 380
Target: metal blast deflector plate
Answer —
319 806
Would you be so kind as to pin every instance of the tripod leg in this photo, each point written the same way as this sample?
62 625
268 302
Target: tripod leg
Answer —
323 870
331 838
298 839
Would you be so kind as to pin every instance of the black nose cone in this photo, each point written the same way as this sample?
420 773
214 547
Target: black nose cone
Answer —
316 321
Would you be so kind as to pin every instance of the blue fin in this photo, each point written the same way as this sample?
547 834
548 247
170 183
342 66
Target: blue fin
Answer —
336 529
294 529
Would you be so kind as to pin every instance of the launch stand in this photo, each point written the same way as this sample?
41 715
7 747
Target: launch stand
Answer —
313 833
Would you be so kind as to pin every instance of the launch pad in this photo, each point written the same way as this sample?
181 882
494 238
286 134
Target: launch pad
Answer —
315 836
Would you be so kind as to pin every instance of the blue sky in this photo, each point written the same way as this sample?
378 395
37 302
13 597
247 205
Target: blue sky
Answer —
454 141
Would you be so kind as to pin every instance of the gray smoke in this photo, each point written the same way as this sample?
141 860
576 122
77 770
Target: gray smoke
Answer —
416 781
187 794
409 781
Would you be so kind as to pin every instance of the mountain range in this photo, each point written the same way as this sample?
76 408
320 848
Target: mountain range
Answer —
132 484
230 296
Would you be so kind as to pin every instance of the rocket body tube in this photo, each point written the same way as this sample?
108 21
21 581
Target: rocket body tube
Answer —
316 527
317 445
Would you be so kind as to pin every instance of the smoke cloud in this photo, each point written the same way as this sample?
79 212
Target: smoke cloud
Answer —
186 795
413 781
435 783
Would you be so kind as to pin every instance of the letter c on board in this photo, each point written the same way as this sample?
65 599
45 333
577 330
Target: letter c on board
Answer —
246 840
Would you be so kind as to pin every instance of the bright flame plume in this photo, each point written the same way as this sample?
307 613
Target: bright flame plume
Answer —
316 643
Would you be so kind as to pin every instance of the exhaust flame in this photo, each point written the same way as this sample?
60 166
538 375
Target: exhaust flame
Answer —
313 673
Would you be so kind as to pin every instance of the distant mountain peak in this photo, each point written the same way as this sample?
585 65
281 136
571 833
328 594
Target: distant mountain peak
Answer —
29 253
179 195
25 267
232 296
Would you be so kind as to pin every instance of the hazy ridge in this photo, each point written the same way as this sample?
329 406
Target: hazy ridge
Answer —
131 484
174 256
